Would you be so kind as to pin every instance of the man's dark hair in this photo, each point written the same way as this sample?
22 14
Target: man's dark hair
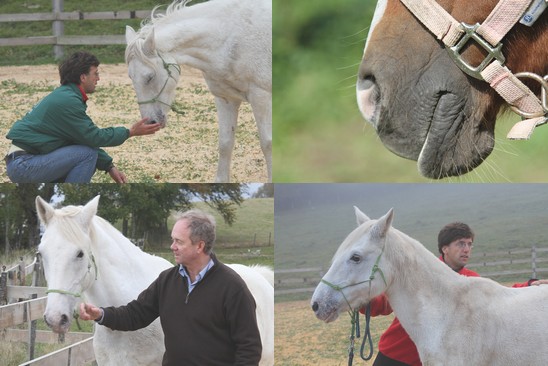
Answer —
454 231
75 65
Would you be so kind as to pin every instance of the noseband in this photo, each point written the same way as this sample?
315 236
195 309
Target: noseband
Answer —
355 314
488 35
166 66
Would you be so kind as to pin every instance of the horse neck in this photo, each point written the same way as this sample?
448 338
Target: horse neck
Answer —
418 293
122 268
193 37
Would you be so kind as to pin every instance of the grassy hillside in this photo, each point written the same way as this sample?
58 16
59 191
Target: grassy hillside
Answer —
315 218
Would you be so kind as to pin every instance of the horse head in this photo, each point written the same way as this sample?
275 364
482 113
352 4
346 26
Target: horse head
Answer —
422 105
69 265
357 273
154 75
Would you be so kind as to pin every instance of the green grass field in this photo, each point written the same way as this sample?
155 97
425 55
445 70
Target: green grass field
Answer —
37 54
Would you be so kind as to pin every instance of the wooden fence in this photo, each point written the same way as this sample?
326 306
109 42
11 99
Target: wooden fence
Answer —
12 288
58 39
500 265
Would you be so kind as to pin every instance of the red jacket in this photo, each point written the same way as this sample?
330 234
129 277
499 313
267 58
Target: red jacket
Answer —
395 342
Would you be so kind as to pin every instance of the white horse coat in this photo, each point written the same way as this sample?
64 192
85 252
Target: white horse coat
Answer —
84 256
230 41
453 320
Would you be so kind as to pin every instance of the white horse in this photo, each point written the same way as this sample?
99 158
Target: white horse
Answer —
230 41
453 320
86 257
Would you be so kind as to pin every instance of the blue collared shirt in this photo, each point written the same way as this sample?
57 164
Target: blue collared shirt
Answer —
199 277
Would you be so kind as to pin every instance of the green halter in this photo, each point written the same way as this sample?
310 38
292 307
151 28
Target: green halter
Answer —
169 76
75 294
354 314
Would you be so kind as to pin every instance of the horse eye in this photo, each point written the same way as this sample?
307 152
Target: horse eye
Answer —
149 78
355 258
80 254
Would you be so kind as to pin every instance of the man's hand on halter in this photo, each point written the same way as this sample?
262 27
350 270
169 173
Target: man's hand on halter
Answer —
90 312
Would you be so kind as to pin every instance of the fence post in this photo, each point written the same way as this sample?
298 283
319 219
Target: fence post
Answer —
58 29
534 260
32 331
21 272
3 286
38 274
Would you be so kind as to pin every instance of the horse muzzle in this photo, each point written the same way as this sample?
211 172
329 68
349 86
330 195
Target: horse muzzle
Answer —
59 323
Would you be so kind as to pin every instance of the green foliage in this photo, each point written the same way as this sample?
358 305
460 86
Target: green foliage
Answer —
143 209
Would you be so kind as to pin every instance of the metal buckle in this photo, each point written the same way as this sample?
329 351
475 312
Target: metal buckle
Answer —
543 95
492 52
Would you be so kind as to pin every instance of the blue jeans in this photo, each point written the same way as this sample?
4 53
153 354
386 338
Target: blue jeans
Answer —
69 164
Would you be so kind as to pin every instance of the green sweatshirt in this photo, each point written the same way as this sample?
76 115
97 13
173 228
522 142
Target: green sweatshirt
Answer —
60 120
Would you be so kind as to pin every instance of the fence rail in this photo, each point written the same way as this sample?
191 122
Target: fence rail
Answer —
522 262
12 286
58 39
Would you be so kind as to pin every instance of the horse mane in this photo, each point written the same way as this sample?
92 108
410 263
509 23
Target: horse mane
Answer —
135 48
73 229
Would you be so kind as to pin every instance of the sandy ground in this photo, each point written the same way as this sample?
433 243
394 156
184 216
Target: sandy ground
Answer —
185 151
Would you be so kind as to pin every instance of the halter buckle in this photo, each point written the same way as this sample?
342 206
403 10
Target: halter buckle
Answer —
492 52
543 98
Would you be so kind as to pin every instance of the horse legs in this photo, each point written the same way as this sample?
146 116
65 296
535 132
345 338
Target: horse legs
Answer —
227 111
261 102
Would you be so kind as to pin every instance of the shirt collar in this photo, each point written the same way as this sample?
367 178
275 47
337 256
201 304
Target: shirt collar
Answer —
200 276
84 95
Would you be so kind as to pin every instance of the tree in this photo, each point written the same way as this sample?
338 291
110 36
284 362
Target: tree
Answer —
18 220
144 209
265 191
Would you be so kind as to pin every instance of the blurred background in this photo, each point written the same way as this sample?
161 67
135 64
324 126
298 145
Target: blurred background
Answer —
319 134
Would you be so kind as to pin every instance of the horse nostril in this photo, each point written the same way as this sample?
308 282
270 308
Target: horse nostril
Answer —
369 97
64 319
151 122
366 82
46 321
315 306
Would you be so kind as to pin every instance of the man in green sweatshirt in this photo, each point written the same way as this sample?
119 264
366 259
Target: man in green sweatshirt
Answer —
57 141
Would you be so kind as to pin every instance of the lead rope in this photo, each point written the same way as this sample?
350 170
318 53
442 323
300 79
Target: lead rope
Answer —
354 314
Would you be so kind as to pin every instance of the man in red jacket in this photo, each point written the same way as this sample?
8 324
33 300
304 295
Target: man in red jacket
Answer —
455 243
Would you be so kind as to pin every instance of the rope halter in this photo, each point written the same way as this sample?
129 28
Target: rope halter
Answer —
166 66
488 35
354 314
76 294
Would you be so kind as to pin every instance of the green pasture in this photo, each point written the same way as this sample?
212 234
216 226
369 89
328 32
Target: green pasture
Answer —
34 55
319 134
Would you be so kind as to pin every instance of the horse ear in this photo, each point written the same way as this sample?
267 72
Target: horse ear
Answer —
360 216
149 46
89 210
130 34
44 210
383 224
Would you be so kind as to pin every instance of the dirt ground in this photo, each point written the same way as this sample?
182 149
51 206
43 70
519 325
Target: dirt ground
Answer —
184 151
303 340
